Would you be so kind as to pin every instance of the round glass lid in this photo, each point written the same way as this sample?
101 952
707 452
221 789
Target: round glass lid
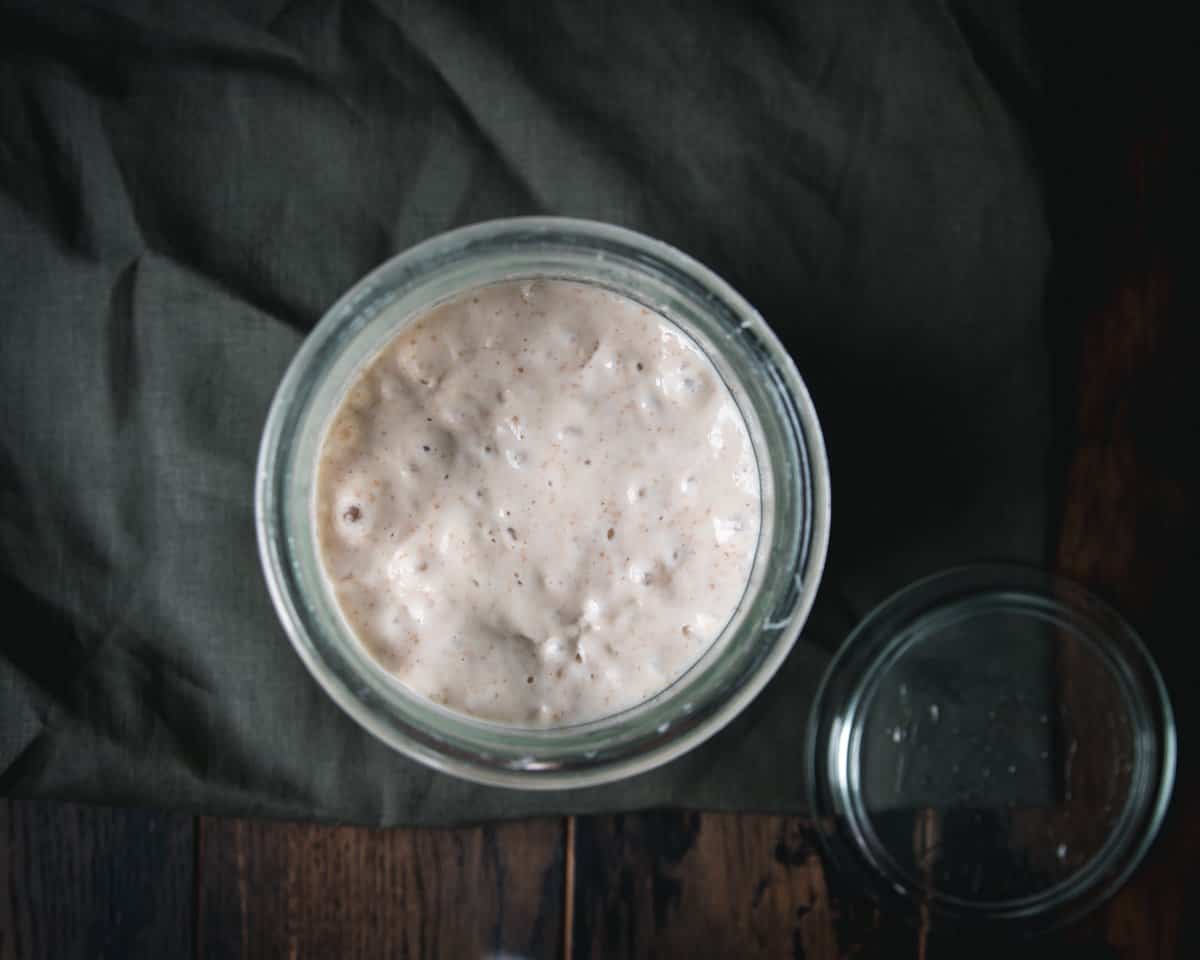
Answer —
993 744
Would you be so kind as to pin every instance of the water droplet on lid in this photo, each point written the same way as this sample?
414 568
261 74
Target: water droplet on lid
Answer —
934 712
1061 851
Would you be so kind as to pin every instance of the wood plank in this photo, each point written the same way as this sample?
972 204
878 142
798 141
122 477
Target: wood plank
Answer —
1132 520
92 882
1130 530
670 883
286 890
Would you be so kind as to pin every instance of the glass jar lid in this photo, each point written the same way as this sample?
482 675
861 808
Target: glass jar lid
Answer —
992 745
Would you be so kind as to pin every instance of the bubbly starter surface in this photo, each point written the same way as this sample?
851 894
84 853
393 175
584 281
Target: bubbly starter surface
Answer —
539 504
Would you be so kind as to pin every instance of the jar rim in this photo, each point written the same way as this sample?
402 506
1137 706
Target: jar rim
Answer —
648 734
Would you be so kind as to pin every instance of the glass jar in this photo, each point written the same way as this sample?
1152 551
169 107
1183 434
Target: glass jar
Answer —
784 432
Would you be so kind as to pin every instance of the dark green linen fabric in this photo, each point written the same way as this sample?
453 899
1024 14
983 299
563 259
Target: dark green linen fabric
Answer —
185 188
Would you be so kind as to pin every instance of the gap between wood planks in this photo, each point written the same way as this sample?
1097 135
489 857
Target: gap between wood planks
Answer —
569 889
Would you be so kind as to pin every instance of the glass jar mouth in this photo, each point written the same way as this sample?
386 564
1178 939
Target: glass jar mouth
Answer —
787 441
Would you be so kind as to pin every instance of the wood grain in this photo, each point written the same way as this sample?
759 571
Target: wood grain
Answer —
1131 527
91 882
300 890
667 884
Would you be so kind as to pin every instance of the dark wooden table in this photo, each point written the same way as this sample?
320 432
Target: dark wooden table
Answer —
87 882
